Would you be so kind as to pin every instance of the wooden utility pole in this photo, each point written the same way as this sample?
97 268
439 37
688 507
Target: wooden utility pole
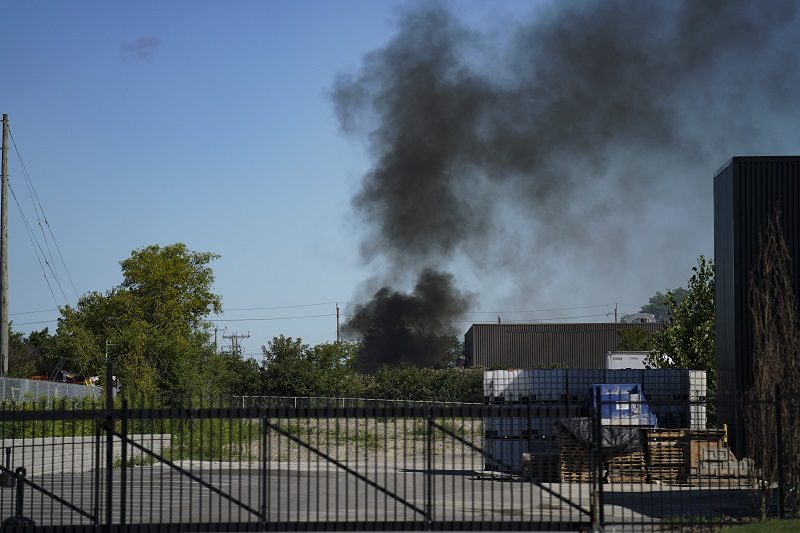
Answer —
236 347
4 251
337 322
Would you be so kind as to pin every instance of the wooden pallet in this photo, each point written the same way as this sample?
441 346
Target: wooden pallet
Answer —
667 455
575 460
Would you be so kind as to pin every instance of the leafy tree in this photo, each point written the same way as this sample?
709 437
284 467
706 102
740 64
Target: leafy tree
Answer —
634 340
33 355
428 384
292 368
687 341
659 305
234 375
154 320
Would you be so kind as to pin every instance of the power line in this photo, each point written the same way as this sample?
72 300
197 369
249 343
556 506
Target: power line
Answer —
37 202
279 307
37 322
607 305
35 244
544 319
34 312
270 318
537 310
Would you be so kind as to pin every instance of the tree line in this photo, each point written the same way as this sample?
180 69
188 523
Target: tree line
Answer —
154 328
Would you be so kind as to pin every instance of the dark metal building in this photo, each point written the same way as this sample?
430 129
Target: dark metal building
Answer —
747 192
544 345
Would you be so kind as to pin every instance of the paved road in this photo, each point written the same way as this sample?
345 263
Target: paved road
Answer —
314 492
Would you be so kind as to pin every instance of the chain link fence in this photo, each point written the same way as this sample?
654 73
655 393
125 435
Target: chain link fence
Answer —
30 390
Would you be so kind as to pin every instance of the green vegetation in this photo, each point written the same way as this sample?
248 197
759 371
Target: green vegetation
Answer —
687 341
661 304
767 526
155 321
156 324
635 340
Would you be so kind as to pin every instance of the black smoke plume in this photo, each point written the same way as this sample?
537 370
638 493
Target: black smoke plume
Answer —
564 125
409 329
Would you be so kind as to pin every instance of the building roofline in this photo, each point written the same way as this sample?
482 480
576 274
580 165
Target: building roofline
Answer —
754 159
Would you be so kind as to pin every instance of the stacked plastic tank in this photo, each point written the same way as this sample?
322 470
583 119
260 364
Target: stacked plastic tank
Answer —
676 397
623 405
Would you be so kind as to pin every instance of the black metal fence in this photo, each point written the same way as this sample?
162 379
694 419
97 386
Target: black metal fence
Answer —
205 466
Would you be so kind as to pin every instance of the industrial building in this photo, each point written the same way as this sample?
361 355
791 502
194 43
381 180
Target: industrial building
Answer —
748 191
544 345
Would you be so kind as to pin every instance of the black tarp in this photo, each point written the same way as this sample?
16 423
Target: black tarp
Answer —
614 439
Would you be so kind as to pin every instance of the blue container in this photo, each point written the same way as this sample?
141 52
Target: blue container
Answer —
623 405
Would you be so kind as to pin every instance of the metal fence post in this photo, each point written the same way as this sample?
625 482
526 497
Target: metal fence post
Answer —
429 473
597 485
124 462
98 430
109 446
779 445
263 478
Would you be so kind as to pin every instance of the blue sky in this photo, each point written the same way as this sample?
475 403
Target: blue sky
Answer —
221 136
211 123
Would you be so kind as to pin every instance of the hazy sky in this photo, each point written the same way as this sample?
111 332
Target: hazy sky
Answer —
213 124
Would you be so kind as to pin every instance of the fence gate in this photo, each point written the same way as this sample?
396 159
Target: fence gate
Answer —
81 466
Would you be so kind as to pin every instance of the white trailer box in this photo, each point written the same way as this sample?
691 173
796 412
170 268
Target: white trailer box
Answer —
624 360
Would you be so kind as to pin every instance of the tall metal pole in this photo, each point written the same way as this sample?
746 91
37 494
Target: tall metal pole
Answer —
4 252
337 322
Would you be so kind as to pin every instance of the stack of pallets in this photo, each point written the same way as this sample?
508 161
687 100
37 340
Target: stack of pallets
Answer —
575 459
667 460
629 467
701 440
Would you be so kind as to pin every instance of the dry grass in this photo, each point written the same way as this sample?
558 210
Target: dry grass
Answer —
388 442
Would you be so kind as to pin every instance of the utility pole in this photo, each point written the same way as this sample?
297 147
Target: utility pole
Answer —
615 313
236 348
337 322
216 329
4 251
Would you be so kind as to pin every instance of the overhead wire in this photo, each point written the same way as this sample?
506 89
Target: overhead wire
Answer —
34 312
271 318
345 315
36 247
280 307
36 322
606 305
39 209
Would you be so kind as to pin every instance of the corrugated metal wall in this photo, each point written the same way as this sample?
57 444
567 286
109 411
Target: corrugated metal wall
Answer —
725 217
747 192
543 345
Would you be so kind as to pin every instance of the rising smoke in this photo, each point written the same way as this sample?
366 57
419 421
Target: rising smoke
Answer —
554 123
413 328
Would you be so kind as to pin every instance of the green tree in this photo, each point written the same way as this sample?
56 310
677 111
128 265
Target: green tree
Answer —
234 375
292 368
687 341
659 305
634 340
34 355
155 321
